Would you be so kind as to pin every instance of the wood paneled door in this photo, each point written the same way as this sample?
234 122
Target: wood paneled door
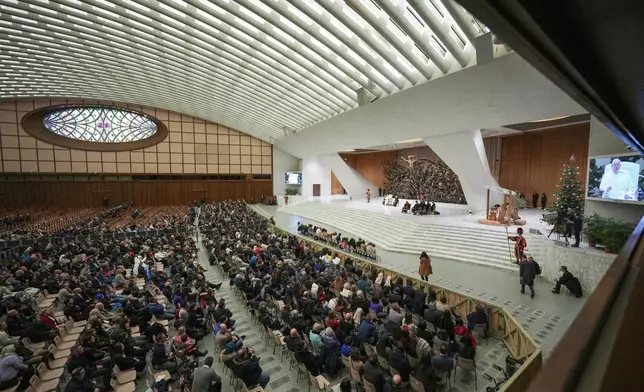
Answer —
316 189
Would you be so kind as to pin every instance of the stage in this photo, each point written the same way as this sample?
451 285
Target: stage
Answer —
454 234
450 214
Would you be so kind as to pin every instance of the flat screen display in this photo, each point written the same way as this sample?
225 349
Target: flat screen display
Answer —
618 178
293 178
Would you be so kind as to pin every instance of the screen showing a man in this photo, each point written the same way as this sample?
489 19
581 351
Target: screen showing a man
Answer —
293 178
617 183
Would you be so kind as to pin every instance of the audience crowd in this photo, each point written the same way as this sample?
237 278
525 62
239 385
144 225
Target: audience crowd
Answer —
328 313
346 244
92 314
101 223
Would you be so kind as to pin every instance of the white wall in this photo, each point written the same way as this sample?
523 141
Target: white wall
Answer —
465 154
505 91
352 181
282 163
315 171
603 142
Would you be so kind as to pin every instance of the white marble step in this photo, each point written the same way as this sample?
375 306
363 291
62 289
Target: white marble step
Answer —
361 223
478 245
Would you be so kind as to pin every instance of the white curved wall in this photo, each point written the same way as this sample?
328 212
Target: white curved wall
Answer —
465 154
505 91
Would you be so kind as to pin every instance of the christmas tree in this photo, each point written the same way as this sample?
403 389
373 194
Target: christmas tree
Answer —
570 193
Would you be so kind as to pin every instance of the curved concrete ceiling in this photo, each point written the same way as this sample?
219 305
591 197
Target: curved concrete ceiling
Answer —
268 68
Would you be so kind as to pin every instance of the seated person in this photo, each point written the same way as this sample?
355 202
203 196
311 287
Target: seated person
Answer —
79 382
345 350
443 362
249 369
567 279
477 317
406 207
467 346
161 360
373 373
395 385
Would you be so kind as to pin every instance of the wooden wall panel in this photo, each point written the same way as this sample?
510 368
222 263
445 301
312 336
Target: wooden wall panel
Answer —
369 165
533 161
142 193
193 145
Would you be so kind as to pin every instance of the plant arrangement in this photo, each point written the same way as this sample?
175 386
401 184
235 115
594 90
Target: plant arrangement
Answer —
592 229
610 233
290 191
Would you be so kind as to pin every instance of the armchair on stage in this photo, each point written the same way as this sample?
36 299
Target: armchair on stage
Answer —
390 200
502 208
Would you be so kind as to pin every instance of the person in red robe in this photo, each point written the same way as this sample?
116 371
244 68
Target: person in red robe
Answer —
519 244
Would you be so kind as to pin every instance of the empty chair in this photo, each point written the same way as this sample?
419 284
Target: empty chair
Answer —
48 374
443 378
39 385
129 387
318 381
124 377
466 364
480 328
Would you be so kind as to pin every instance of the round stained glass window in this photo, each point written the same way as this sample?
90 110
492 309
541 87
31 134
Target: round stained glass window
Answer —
100 125
98 128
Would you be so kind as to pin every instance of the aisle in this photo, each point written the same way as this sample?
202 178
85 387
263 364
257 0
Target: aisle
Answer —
282 379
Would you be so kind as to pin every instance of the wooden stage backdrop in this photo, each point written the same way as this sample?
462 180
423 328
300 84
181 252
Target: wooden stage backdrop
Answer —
533 161
148 193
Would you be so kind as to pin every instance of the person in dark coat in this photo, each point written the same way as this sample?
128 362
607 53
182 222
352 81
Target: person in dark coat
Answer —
330 352
577 224
568 280
399 362
374 373
535 199
431 315
544 200
250 370
418 302
527 274
80 383
367 331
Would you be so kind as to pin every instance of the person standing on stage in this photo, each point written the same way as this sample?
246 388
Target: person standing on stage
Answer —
368 195
544 200
527 273
577 224
519 244
535 199
425 268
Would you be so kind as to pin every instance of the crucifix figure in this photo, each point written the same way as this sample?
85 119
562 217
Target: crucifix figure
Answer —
410 160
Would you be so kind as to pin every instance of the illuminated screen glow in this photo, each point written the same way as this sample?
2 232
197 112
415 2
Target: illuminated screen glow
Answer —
100 125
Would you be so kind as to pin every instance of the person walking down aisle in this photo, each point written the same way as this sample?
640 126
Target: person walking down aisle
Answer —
368 195
425 268
527 273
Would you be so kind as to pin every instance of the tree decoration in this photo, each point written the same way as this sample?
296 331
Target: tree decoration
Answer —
570 191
